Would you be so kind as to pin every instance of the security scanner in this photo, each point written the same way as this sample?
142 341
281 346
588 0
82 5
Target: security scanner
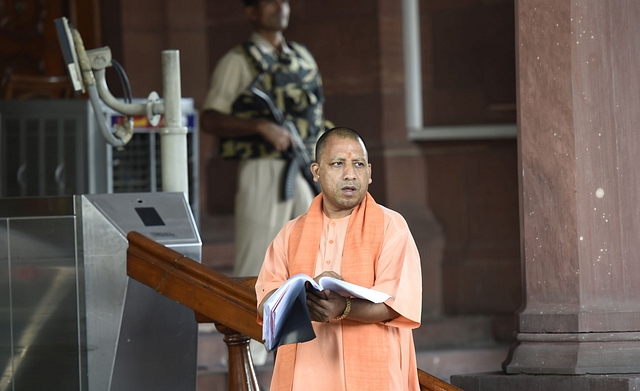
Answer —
87 71
70 317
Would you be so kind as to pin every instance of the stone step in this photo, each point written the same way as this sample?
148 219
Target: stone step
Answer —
443 363
450 332
217 381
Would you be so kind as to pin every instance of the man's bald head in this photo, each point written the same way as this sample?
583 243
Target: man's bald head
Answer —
339 132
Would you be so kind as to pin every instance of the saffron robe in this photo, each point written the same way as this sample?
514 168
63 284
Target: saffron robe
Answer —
319 363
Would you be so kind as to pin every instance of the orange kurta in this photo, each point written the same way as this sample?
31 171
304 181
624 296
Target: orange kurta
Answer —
320 363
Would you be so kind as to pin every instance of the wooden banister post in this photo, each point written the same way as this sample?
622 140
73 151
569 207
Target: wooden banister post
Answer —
242 375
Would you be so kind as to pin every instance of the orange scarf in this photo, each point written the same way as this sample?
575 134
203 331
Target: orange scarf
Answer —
365 345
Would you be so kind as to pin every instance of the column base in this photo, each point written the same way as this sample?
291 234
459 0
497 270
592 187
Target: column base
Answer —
499 381
574 354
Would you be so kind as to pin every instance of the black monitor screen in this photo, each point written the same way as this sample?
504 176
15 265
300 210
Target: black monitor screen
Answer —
149 217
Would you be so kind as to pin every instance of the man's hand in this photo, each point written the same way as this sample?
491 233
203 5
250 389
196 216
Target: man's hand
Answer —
225 125
324 305
275 134
317 278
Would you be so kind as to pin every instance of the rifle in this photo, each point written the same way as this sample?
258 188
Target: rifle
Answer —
299 159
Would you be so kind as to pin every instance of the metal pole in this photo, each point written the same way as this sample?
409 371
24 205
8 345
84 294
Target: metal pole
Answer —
412 65
173 137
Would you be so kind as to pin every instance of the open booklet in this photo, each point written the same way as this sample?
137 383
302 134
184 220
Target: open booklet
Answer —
285 317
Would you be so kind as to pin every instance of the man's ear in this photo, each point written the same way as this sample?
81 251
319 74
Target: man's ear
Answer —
370 177
314 171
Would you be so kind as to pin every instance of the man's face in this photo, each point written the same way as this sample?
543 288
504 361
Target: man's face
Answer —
344 173
270 15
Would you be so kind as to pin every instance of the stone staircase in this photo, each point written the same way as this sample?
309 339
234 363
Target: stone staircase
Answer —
448 346
445 345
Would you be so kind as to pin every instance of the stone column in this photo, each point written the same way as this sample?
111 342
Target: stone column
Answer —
579 144
579 112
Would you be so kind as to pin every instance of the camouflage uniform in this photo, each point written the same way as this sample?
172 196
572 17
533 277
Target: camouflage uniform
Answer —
293 81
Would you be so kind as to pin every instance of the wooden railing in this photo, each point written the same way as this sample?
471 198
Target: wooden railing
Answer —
429 382
229 303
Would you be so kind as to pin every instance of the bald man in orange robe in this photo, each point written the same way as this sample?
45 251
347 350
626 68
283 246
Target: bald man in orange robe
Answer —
359 345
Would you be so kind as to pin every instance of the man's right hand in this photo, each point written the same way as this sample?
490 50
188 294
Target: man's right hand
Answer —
225 125
325 306
275 134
